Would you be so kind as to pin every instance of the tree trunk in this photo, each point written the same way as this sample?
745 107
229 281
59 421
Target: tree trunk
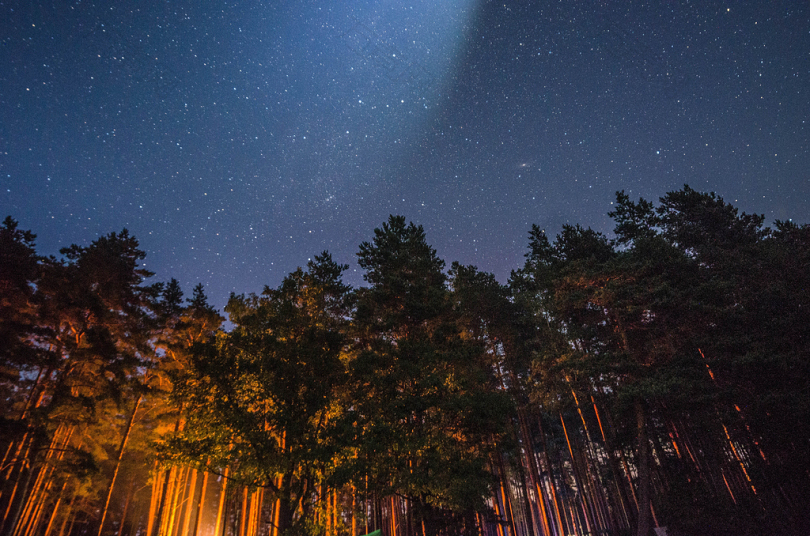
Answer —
177 490
643 467
161 502
621 496
157 484
285 515
32 498
18 512
200 505
118 463
130 494
243 512
221 506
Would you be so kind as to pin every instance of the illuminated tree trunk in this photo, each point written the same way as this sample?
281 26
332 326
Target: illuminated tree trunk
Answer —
30 503
68 514
130 495
592 506
621 496
72 521
55 509
157 484
577 478
157 521
190 502
167 523
393 517
34 517
254 513
499 509
200 505
529 513
221 507
243 513
118 463
505 500
23 442
550 469
534 474
354 511
20 462
643 467
259 509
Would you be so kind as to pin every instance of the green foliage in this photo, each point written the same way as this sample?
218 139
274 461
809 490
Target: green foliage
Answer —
428 407
687 330
262 399
686 285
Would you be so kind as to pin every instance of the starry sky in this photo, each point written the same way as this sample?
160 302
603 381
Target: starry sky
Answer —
236 140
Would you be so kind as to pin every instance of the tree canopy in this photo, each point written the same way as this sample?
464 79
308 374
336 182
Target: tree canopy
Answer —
653 377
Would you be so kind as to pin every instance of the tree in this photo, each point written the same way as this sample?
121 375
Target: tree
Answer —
21 357
428 405
93 331
260 400
628 315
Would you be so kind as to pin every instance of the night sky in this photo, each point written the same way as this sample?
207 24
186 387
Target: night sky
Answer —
237 139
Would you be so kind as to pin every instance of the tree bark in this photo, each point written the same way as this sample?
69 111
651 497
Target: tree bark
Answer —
221 506
118 463
643 467
200 505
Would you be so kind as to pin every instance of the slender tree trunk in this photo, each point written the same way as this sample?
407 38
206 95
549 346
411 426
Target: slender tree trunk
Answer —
499 510
550 476
157 484
259 509
30 503
68 514
55 510
178 492
621 496
221 507
130 494
22 463
506 501
118 463
228 506
276 511
354 511
534 474
162 499
200 505
170 512
577 478
285 515
21 504
643 462
243 513
393 518
72 521
191 502
529 514
167 480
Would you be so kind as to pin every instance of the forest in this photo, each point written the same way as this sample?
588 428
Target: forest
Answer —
656 381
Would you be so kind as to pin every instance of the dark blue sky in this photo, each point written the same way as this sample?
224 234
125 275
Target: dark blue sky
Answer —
235 140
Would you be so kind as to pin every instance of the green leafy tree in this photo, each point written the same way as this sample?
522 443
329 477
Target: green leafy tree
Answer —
261 399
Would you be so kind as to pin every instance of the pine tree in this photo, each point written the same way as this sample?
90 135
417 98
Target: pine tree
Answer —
425 403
